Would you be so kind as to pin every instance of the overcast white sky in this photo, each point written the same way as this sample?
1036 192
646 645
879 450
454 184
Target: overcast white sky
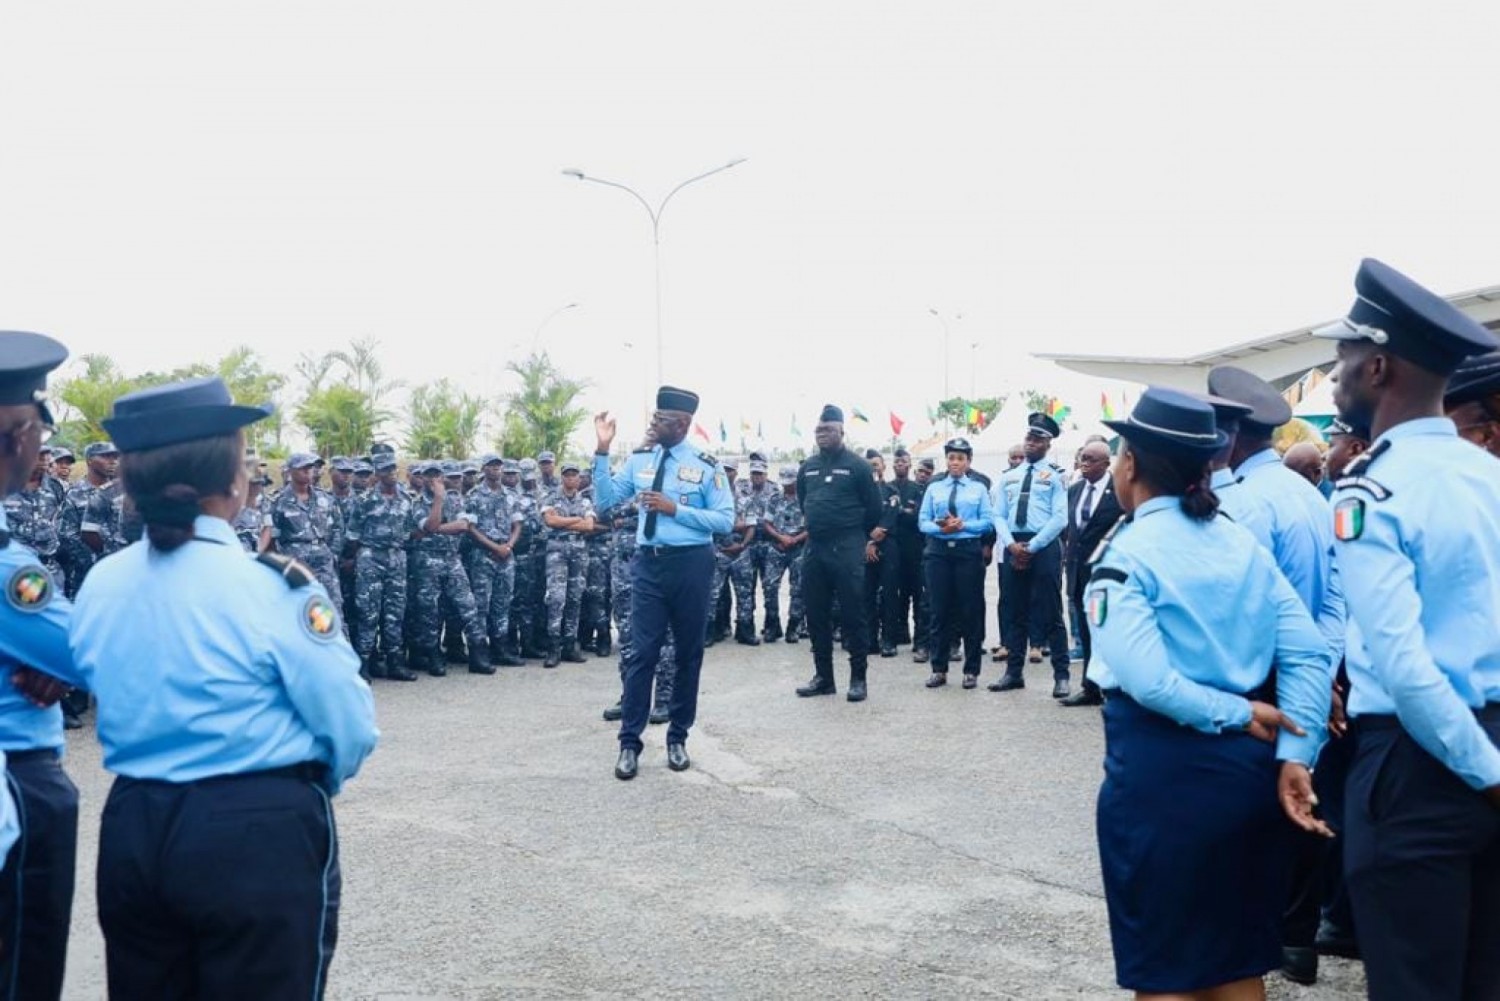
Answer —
1153 178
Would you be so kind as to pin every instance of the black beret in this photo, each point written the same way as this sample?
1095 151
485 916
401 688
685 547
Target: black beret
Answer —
831 414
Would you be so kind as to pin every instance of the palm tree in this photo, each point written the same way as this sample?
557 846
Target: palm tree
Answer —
88 398
441 421
541 416
362 363
341 419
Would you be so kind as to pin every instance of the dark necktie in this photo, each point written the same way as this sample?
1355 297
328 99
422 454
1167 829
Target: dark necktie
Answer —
953 501
656 482
1023 505
1088 506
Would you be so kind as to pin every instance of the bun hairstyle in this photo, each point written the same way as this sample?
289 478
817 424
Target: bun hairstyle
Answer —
1180 474
168 484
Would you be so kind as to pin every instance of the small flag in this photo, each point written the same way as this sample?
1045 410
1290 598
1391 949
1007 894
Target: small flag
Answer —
723 433
1104 408
859 416
1057 410
698 430
796 431
744 425
972 416
896 423
931 415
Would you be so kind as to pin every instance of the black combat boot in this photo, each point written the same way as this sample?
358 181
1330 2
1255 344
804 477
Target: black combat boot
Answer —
793 629
479 658
369 668
606 646
435 663
502 655
453 651
772 632
571 655
744 634
554 655
395 670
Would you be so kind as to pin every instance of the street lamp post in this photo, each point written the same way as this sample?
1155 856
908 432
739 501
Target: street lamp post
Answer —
655 215
536 336
973 365
947 424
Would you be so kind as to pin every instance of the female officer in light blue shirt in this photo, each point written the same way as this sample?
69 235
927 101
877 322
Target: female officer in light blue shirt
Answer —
954 514
1189 617
230 708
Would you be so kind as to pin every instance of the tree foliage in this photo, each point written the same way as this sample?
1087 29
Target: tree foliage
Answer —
442 421
957 410
540 415
341 419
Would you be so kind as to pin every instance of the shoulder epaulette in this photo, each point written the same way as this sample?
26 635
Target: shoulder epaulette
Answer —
1377 490
1109 537
295 574
1365 461
644 450
705 457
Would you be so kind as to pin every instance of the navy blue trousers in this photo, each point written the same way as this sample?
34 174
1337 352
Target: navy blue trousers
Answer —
1031 600
36 887
669 587
225 888
955 589
1422 860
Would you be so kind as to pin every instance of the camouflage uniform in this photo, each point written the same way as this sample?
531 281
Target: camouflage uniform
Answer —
311 532
104 517
531 555
785 515
567 568
74 554
594 615
33 516
251 519
493 579
435 575
623 521
380 523
753 561
724 565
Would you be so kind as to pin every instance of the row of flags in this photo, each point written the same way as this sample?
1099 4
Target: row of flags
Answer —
974 420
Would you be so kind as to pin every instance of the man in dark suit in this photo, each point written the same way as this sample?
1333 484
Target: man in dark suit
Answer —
1092 512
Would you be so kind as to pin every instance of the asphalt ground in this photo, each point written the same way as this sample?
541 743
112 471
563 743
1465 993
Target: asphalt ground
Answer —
923 844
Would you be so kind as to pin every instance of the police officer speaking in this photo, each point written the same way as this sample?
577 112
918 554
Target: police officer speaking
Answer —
684 499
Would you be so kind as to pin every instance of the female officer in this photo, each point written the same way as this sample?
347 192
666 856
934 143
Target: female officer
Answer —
954 515
230 708
1189 614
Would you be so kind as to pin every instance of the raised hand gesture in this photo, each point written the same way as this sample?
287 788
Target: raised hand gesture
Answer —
604 429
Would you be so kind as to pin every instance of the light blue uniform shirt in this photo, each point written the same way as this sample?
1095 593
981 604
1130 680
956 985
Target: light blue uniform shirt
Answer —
1046 512
1299 534
974 508
1199 619
206 663
1422 568
33 633
1244 508
705 503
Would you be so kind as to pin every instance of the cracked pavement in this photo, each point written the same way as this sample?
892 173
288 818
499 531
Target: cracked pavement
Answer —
921 844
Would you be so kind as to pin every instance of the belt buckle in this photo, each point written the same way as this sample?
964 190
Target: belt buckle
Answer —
951 543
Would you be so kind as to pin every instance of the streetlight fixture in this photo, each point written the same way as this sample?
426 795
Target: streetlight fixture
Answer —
536 336
655 215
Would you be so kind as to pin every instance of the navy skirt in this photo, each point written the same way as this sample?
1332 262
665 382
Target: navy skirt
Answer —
1195 852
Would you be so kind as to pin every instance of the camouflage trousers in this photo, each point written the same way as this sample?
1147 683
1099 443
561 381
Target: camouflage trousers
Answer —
755 562
433 579
380 599
779 565
522 607
567 570
666 666
319 559
722 564
594 614
494 585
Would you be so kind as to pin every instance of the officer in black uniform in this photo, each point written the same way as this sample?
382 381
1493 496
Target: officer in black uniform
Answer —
908 548
839 495
883 572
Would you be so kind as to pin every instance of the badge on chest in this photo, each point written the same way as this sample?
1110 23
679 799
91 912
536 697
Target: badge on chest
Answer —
689 474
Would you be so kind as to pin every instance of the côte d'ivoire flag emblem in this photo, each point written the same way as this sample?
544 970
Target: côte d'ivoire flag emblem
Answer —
29 589
1098 607
1349 519
319 618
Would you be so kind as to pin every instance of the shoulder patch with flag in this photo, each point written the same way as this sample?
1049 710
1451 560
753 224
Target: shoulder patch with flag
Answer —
30 589
320 619
1349 519
1098 606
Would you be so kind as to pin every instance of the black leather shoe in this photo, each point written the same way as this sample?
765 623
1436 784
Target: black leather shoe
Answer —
1008 683
613 713
627 764
936 680
971 681
1061 689
1083 697
1333 940
818 686
677 758
1299 964
919 656
887 651
659 716
396 671
857 691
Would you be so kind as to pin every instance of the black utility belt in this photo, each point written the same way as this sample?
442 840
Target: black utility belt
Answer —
666 552
941 546
1377 722
1023 536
